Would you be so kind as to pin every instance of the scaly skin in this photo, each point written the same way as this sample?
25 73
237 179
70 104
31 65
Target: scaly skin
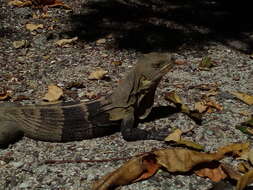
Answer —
131 100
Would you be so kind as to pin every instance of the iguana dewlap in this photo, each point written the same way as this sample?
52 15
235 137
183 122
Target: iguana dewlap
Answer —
131 100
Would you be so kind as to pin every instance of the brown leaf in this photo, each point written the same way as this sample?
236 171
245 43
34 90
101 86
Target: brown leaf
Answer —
135 169
248 99
174 136
174 160
214 104
215 174
32 27
16 3
190 144
173 97
54 93
4 96
207 105
116 63
98 74
20 44
234 148
200 106
230 171
244 180
63 42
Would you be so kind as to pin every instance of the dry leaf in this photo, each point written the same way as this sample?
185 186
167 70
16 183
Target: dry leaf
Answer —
174 160
215 174
16 3
247 126
54 93
200 106
101 41
244 180
116 63
211 92
214 104
63 42
4 96
174 136
32 27
190 144
250 156
180 61
39 3
243 167
206 105
20 44
174 98
248 99
134 169
98 74
230 171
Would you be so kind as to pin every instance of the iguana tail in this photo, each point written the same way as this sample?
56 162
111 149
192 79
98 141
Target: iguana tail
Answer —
54 123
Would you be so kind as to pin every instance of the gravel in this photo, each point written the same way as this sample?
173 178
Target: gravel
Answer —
26 72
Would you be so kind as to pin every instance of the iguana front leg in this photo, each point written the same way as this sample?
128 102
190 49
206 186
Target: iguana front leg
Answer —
130 132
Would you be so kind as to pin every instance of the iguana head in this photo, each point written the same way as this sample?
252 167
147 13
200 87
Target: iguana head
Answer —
149 71
151 68
138 88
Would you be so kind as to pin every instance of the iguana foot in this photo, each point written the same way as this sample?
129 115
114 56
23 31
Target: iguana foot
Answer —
9 133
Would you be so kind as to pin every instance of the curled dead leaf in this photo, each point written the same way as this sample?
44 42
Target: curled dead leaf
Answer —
244 180
173 159
174 136
200 106
63 42
31 27
54 93
215 174
20 44
4 96
16 3
246 98
98 74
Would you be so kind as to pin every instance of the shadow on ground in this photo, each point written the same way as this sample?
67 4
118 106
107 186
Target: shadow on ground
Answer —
166 25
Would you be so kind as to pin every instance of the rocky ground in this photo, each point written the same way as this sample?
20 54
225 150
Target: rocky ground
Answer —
117 33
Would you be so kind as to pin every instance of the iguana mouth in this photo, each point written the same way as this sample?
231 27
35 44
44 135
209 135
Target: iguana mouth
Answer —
164 70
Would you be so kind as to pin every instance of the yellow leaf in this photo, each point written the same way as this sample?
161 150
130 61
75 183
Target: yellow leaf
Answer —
16 3
200 106
173 97
20 44
190 144
245 180
32 27
98 74
174 136
54 93
248 99
63 42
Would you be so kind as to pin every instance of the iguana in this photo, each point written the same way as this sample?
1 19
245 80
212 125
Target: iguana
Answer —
131 101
